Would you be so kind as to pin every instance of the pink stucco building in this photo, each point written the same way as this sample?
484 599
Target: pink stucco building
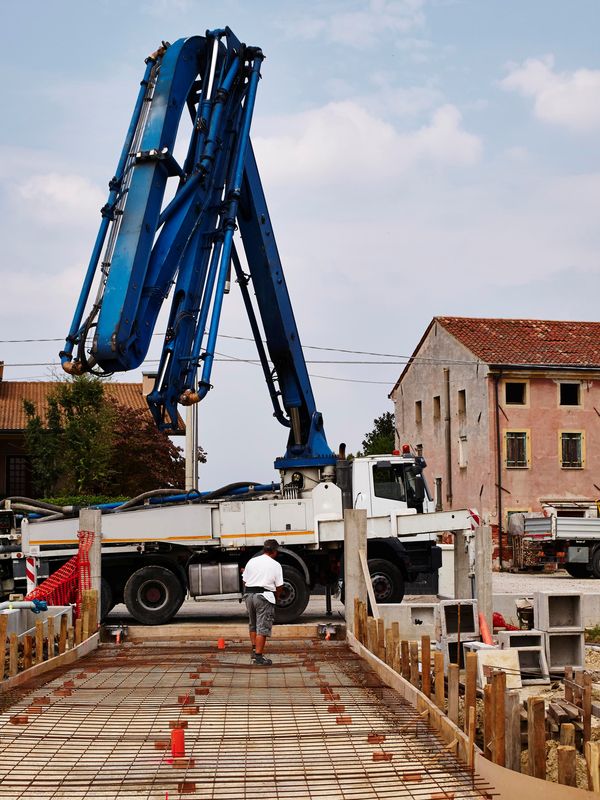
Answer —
507 412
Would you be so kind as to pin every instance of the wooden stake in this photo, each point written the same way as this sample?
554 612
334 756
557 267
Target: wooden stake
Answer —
414 664
488 712
498 693
405 659
470 684
426 665
27 651
50 626
512 730
453 676
438 669
567 734
569 684
381 639
372 635
85 616
62 636
578 688
39 641
3 629
357 619
13 655
567 765
587 706
70 637
389 648
536 737
364 623
592 757
471 730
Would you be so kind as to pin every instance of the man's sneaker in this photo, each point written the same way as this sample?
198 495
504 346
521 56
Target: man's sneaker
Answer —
261 661
253 655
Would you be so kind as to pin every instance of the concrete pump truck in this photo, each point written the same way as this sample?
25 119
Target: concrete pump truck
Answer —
156 552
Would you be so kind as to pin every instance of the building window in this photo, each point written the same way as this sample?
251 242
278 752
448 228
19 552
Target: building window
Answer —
517 454
515 393
570 394
462 401
462 452
437 408
571 449
18 476
418 412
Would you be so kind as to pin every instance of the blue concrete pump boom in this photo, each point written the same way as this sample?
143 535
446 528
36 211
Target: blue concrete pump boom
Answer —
146 248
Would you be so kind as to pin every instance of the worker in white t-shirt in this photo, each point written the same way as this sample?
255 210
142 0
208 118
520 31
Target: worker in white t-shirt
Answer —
263 580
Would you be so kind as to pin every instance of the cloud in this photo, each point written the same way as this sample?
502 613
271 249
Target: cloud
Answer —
53 197
344 140
364 27
568 99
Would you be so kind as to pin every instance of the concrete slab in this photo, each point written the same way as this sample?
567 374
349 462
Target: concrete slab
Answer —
507 660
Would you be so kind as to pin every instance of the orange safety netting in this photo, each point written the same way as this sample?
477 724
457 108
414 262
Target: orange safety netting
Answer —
66 585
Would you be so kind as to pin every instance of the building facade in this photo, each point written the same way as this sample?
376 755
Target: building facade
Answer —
508 415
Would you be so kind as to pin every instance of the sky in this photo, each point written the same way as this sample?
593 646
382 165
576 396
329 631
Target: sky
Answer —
419 158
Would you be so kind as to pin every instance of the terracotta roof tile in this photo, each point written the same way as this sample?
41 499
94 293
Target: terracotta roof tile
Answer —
528 341
13 393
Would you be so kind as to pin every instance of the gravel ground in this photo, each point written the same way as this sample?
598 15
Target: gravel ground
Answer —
528 582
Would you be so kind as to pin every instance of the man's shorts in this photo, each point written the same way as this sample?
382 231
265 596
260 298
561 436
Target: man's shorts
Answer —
261 613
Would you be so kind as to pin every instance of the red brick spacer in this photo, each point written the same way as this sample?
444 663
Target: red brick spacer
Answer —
375 738
343 720
381 756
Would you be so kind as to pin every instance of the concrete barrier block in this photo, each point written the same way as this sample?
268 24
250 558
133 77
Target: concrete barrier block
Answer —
459 616
565 650
558 611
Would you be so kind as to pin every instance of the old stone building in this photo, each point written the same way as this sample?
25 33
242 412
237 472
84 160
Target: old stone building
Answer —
507 412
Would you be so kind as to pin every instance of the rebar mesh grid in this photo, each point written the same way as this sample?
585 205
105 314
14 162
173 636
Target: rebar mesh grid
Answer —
298 729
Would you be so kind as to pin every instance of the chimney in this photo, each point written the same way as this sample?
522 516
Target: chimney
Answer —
148 379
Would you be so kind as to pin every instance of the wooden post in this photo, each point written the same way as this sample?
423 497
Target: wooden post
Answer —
90 519
13 655
453 675
85 615
357 631
70 637
488 712
426 665
380 639
62 636
470 684
27 651
512 730
536 737
567 734
78 631
592 757
578 688
39 641
50 627
567 765
569 684
498 693
471 731
587 706
405 658
414 664
389 648
3 629
438 670
372 635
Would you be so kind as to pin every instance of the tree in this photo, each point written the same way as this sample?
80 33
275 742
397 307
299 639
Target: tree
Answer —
382 438
90 445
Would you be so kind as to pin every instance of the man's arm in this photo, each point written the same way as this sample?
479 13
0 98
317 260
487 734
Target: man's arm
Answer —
278 583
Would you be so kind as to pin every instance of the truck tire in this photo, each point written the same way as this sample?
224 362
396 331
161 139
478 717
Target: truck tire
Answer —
106 598
595 563
294 598
388 583
153 595
578 570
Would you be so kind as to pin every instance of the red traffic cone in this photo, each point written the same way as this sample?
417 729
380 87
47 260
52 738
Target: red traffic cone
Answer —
221 644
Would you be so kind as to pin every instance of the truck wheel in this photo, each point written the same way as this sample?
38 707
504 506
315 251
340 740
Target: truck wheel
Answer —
293 598
106 598
578 570
388 583
153 595
595 563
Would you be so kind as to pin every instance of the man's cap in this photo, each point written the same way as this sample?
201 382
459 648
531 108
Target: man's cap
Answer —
271 544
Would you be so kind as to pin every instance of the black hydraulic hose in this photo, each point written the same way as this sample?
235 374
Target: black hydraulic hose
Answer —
37 503
141 497
227 489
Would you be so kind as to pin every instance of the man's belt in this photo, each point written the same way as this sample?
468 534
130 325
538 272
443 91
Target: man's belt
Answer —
255 589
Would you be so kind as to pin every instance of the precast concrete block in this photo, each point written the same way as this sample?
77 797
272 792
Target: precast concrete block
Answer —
459 618
565 650
414 619
454 652
559 612
505 660
521 639
533 664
